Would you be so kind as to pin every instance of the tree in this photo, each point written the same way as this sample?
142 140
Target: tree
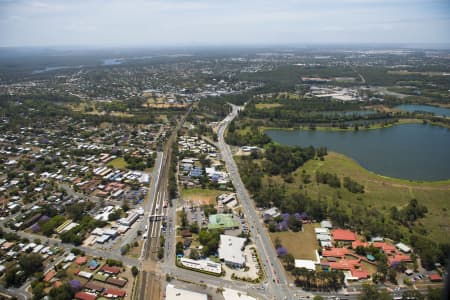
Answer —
294 224
194 254
382 267
125 207
353 186
76 211
289 260
413 211
370 292
194 227
38 290
277 242
184 220
179 248
435 294
31 263
64 292
392 275
160 252
14 277
115 215
134 271
317 297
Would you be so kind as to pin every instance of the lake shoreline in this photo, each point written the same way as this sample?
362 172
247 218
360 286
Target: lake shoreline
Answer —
413 152
390 178
351 128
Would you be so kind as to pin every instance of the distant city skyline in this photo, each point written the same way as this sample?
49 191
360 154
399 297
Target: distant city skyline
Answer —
130 23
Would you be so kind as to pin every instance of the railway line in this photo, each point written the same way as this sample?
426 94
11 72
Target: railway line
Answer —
156 215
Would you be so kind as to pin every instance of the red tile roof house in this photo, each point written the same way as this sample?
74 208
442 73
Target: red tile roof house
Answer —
360 274
335 252
49 276
113 293
344 264
387 249
81 260
343 235
111 270
398 258
350 265
435 277
358 243
85 296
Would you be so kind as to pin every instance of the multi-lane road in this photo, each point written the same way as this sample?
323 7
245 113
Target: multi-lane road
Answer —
278 283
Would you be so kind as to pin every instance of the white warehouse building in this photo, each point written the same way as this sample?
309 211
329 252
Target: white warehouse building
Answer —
231 250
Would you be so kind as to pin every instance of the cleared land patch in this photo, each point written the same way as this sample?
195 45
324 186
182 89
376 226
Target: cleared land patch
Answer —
302 245
118 163
200 196
267 105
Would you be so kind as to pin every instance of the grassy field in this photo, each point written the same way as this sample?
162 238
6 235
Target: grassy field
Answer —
380 192
288 95
202 196
302 245
118 163
267 105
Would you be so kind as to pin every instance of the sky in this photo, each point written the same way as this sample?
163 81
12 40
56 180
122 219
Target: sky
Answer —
222 22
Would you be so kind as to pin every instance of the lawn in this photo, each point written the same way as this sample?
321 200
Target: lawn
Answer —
302 245
267 105
380 191
118 163
201 196
136 251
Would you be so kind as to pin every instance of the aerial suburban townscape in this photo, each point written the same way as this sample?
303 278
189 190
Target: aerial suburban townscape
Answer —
240 172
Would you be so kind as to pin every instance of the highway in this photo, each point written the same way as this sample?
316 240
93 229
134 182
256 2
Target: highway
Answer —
278 283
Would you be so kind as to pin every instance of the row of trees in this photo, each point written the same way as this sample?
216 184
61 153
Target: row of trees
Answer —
314 280
252 137
353 186
138 162
285 159
29 264
328 178
172 186
409 214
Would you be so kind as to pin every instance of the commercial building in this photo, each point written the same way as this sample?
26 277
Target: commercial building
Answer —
129 220
202 265
173 293
305 263
230 294
231 250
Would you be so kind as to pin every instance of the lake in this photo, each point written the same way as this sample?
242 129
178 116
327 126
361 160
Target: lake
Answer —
408 151
437 111
111 61
49 69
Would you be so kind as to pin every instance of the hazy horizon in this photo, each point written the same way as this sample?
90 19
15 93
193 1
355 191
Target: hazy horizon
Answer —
193 23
